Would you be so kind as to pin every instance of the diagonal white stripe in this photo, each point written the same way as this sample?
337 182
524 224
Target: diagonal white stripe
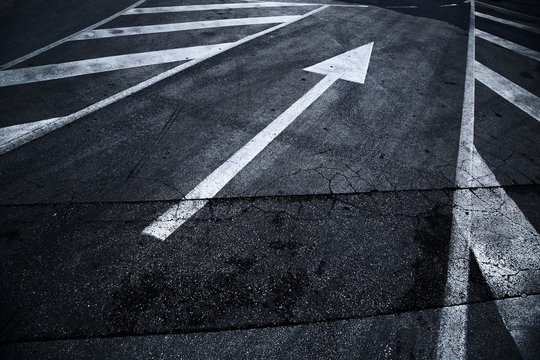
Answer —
508 45
508 90
67 38
152 29
184 8
508 22
60 122
109 63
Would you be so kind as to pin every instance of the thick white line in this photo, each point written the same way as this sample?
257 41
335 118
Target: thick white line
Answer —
36 133
183 8
447 5
152 29
508 44
109 63
508 22
513 93
67 38
173 218
451 343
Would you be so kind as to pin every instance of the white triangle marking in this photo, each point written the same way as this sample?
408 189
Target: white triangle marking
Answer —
351 65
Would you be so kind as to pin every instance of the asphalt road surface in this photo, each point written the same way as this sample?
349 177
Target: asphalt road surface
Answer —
249 179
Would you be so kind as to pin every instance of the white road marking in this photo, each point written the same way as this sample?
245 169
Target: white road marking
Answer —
183 8
508 90
508 22
109 63
448 5
197 198
344 65
67 38
62 121
508 45
452 339
152 29
15 133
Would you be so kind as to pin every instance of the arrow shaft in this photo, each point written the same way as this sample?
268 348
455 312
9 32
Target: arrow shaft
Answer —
197 198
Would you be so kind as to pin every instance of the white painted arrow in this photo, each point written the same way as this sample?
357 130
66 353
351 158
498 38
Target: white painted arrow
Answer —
351 66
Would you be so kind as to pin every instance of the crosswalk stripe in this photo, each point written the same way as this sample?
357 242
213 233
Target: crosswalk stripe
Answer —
109 63
508 44
508 90
184 8
508 22
152 29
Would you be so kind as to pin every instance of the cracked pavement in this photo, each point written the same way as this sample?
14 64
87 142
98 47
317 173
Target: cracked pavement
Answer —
349 236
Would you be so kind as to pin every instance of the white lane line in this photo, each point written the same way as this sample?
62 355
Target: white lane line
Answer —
67 38
508 22
152 29
508 44
506 11
60 122
513 93
452 339
184 8
13 134
109 63
173 218
448 5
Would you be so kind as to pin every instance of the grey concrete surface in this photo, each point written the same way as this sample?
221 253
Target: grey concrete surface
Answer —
339 240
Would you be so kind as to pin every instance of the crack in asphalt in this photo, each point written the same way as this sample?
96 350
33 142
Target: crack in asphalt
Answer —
270 197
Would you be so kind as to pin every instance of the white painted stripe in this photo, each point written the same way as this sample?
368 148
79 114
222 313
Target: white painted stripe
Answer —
5 147
14 133
448 5
184 8
452 339
152 29
104 64
67 38
508 90
508 22
508 44
173 218
507 11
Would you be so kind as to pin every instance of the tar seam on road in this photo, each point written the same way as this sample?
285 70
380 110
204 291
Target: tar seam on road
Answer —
49 126
255 327
67 38
266 197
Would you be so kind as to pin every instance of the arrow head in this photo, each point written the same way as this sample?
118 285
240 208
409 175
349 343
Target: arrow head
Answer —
351 65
